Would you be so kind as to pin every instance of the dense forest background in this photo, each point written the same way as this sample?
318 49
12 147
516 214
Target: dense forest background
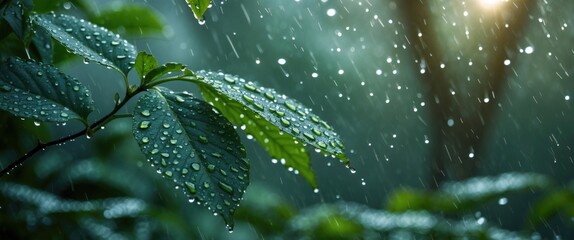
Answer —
421 92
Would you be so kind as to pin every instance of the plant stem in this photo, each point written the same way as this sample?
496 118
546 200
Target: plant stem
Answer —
91 129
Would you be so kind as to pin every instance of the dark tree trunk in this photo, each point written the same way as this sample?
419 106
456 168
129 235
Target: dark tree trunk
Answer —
457 128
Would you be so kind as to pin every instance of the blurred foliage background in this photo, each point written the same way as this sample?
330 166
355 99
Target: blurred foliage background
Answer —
362 69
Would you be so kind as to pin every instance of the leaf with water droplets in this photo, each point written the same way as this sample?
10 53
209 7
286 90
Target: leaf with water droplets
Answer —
43 46
281 147
273 119
90 41
165 69
458 197
41 92
15 13
199 7
193 147
145 62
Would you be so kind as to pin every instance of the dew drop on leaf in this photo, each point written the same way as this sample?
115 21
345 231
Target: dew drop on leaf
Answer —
144 124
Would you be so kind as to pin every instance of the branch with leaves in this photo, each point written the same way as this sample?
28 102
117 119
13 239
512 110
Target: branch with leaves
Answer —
190 141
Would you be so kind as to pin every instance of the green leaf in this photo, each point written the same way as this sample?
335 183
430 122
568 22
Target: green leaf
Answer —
286 124
194 147
41 92
145 62
131 19
90 41
458 197
415 225
163 70
265 210
48 203
16 15
558 202
43 46
199 7
281 147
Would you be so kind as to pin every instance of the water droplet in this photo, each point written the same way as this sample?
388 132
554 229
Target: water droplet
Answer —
39 74
190 187
168 173
296 130
76 88
290 106
154 151
331 12
145 113
203 139
195 166
144 124
210 167
206 185
258 106
281 61
248 98
316 131
63 114
166 125
145 140
250 87
179 99
5 88
120 56
450 122
269 96
229 79
309 136
481 221
225 187
285 122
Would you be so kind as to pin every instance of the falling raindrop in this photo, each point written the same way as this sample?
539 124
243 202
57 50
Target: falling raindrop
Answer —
331 12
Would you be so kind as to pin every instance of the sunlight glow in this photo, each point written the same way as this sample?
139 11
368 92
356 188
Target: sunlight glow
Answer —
491 3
